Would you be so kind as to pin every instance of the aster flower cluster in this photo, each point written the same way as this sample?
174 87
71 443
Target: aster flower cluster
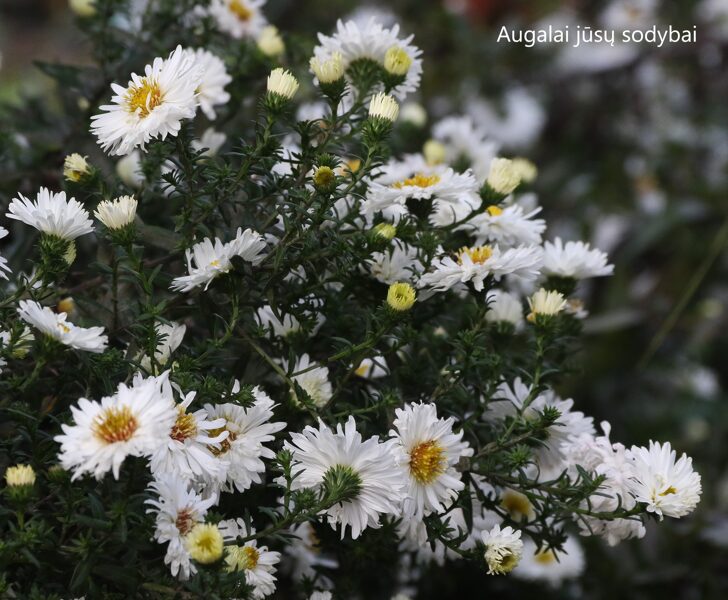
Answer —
289 340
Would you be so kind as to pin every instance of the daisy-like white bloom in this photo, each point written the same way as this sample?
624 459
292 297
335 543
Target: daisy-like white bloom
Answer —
510 400
602 457
314 381
3 260
52 214
398 263
413 538
188 449
282 83
503 549
668 487
372 368
239 18
211 89
132 422
55 325
465 145
206 260
257 562
241 453
317 453
575 260
509 226
170 336
178 509
370 41
329 70
546 565
285 324
504 307
477 263
117 214
429 450
454 195
150 106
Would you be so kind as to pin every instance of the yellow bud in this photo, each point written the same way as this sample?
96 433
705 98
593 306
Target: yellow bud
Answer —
324 177
397 61
270 41
385 231
434 152
204 543
401 296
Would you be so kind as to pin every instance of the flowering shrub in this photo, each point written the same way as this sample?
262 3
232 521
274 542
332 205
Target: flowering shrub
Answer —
248 344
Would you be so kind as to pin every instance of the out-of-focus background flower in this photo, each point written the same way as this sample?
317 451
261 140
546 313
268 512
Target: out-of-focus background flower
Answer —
631 142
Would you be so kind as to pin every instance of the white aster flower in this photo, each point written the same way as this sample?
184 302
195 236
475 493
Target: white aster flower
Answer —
314 381
371 41
257 562
413 538
242 451
132 422
177 508
170 336
211 89
55 325
429 452
316 452
150 106
3 260
52 214
504 307
239 18
503 549
477 263
509 226
76 167
514 399
668 487
116 214
466 145
454 195
187 450
206 261
575 260
398 263
602 457
547 566
372 368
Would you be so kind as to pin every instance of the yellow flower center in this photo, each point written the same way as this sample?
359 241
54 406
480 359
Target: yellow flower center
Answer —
225 444
494 211
184 521
508 562
240 10
184 427
144 98
205 543
64 328
249 558
362 369
115 425
545 558
478 254
427 461
418 180
215 263
668 491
